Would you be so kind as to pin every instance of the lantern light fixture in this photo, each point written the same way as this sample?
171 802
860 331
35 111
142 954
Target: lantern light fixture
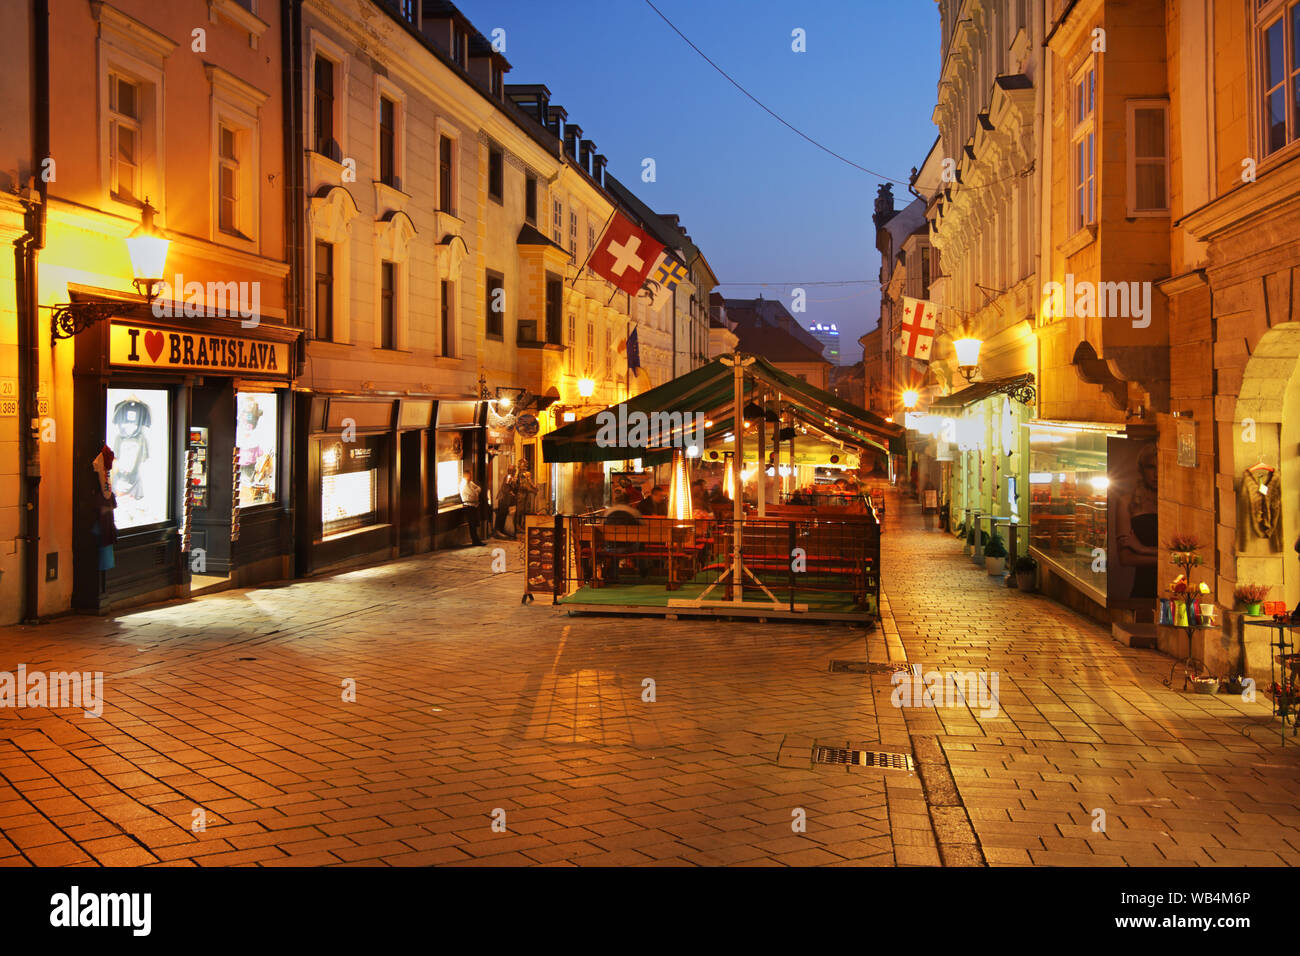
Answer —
147 248
968 355
910 398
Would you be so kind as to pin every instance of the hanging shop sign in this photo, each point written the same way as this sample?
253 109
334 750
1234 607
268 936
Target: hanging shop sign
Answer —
139 346
527 426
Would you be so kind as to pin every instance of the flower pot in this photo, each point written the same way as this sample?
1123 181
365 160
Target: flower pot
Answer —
1255 609
1025 581
995 565
1205 685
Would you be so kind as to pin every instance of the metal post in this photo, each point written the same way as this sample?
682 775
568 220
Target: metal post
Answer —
762 470
737 511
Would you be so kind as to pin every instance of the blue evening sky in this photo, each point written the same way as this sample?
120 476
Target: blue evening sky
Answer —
763 204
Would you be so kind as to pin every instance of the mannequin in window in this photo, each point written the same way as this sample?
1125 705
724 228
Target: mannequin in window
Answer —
130 447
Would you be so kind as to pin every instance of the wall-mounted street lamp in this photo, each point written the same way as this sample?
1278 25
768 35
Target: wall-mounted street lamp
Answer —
147 246
586 388
910 398
968 355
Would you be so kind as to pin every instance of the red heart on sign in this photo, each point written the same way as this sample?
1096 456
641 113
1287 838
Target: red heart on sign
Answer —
153 344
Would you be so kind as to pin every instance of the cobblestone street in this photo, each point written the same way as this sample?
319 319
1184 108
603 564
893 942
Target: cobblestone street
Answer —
468 704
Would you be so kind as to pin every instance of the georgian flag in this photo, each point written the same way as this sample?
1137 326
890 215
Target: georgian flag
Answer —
918 328
625 255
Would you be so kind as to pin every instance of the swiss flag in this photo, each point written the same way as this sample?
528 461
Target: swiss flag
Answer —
625 255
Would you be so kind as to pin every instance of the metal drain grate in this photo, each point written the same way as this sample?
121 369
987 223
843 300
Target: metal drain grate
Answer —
874 667
842 756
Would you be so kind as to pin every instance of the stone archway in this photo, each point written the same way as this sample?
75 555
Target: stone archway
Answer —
1266 428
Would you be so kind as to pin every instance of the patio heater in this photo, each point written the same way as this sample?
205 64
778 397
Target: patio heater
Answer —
679 490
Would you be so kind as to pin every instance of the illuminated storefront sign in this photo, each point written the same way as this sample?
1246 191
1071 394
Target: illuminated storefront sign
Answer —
137 346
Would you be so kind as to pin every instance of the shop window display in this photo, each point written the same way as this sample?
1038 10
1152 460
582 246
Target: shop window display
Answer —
449 467
349 485
257 438
139 430
1068 485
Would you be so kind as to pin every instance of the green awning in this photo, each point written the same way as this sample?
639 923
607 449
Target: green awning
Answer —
710 391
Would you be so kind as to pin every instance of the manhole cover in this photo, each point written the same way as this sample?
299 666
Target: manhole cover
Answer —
842 756
874 667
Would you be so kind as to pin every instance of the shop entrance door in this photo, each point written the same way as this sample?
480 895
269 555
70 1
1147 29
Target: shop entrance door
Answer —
411 492
212 438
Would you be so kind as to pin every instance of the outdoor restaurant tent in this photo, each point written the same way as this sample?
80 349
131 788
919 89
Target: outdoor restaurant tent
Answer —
710 390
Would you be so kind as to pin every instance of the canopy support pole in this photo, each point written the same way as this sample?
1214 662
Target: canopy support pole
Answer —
737 507
762 466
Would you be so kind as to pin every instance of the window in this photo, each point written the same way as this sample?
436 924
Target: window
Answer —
573 233
124 138
609 353
446 201
387 304
591 237
228 180
557 221
496 174
1280 75
495 307
925 272
349 483
448 323
571 341
324 141
324 291
530 199
408 11
387 142
1083 147
554 299
257 437
590 367
138 430
458 47
1148 157
451 448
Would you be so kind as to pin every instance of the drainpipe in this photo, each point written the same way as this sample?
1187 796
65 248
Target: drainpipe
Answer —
295 211
26 299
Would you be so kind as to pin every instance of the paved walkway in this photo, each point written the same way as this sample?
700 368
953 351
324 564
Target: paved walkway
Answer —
226 739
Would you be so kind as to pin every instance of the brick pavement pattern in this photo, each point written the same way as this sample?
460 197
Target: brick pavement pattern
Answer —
230 710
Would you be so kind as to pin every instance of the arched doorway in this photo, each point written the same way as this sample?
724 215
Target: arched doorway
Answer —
1266 434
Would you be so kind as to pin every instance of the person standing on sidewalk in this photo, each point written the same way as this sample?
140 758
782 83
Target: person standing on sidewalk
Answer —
469 496
526 492
505 498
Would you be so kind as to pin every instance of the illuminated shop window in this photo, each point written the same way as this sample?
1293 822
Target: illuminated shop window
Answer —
349 485
257 438
138 431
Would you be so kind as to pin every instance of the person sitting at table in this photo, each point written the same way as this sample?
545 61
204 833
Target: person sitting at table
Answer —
613 551
656 504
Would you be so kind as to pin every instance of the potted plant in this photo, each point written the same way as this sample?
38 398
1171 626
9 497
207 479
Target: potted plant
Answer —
995 554
970 539
1184 552
1250 597
1026 572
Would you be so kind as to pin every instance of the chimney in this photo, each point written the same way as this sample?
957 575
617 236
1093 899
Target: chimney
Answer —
572 135
556 118
598 168
585 151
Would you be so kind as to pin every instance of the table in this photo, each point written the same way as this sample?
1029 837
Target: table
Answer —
1284 672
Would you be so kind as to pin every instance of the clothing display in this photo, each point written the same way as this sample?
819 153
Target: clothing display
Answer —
1261 502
